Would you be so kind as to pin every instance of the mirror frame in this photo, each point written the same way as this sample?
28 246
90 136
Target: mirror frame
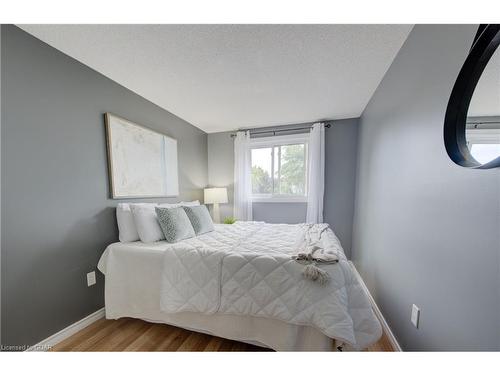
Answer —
485 43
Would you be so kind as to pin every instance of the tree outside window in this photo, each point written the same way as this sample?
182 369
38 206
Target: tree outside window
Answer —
279 170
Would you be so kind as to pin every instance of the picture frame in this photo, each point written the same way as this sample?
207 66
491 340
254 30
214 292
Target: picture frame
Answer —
142 163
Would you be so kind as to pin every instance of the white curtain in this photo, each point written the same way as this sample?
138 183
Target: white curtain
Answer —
242 177
316 175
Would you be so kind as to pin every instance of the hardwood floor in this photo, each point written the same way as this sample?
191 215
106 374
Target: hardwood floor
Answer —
128 334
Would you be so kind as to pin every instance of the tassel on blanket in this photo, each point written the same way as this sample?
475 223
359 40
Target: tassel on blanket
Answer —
311 252
314 273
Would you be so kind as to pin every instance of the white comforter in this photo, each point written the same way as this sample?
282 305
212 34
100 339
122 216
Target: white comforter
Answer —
246 269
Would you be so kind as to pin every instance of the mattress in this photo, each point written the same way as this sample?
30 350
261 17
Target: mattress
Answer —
134 274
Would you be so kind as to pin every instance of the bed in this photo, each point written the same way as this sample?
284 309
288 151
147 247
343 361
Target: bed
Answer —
241 282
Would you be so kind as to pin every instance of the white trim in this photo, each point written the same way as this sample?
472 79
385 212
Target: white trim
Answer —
279 199
378 313
63 334
279 140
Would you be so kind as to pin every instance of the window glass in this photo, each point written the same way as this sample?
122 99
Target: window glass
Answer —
280 170
484 153
292 170
262 171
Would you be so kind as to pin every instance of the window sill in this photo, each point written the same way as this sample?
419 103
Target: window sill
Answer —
279 200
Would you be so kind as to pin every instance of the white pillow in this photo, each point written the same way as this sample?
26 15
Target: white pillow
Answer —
190 204
126 225
146 221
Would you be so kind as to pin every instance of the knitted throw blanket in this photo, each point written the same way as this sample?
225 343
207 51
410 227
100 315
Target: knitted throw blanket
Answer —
311 253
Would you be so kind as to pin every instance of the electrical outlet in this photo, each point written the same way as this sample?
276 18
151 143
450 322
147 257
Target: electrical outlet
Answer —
91 278
415 315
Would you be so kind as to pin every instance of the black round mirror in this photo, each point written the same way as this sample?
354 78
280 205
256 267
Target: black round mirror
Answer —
472 121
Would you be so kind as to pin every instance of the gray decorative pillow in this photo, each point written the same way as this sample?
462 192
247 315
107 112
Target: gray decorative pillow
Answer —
200 219
174 223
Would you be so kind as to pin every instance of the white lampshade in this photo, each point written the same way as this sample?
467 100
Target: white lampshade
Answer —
215 195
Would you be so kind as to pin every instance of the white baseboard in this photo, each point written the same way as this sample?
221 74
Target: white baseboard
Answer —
378 313
63 334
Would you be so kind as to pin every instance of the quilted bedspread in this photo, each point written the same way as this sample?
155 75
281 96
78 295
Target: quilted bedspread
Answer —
247 269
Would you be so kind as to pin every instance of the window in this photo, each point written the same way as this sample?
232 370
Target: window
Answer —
279 168
484 153
483 144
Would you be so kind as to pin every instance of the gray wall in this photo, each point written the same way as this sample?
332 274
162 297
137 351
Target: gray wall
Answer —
56 215
426 230
340 174
271 212
0 181
341 143
221 168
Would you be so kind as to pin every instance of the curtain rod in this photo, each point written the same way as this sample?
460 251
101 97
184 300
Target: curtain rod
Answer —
327 125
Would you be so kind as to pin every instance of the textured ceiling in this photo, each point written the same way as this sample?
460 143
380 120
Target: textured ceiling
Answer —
224 77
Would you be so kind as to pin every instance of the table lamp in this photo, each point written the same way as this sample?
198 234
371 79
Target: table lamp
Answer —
215 196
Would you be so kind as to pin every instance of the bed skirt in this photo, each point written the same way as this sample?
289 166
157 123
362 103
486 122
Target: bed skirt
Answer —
264 332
